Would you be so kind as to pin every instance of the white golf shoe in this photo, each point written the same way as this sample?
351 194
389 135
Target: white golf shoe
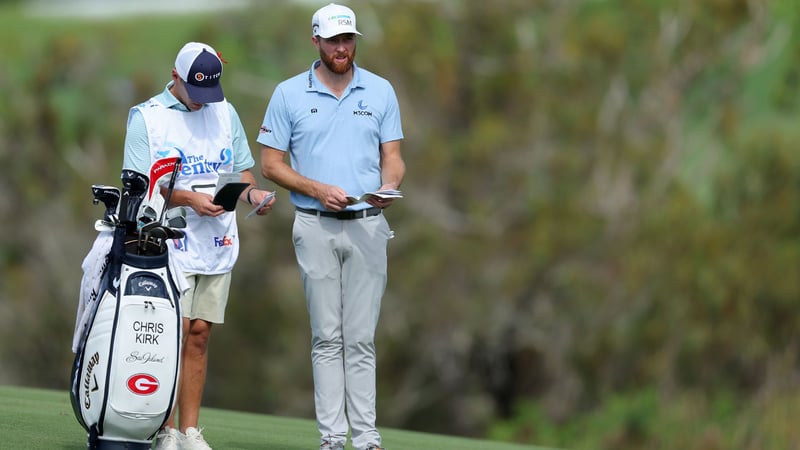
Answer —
168 439
193 440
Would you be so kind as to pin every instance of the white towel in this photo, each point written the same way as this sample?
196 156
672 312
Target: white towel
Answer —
93 265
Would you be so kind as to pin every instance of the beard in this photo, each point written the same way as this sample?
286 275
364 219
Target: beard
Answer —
337 68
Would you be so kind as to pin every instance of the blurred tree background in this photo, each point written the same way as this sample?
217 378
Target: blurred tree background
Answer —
599 245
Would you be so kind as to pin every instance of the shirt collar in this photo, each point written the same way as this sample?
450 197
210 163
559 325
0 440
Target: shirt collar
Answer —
170 101
313 81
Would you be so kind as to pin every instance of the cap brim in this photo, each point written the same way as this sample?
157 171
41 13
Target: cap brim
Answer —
205 94
338 32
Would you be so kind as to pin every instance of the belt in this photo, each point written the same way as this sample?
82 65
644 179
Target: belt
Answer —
342 215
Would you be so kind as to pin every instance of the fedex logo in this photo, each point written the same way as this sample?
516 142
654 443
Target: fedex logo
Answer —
223 241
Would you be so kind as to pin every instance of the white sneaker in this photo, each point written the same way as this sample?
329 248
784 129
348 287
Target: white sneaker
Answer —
331 445
193 440
168 439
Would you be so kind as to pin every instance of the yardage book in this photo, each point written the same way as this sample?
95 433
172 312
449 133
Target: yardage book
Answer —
229 187
386 193
260 205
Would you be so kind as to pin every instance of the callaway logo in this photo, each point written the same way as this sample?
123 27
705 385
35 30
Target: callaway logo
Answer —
148 285
87 386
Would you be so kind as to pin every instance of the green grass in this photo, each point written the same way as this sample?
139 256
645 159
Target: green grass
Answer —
43 419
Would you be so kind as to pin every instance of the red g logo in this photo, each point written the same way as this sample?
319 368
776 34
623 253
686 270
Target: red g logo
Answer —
142 384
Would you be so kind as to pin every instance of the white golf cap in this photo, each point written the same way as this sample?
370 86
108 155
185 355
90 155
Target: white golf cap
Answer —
200 67
333 20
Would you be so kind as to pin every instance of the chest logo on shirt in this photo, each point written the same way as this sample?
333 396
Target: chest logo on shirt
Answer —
362 109
196 164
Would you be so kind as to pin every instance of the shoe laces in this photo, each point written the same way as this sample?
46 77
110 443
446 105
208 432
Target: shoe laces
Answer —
168 438
195 436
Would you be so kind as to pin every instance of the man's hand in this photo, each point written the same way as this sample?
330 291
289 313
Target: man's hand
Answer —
256 196
382 202
333 198
203 204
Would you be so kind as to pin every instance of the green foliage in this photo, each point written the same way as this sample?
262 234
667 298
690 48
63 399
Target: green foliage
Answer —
691 420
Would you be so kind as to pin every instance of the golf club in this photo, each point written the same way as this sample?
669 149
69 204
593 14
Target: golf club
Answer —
110 196
176 217
134 186
175 169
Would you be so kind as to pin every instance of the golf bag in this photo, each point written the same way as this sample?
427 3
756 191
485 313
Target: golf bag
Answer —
128 333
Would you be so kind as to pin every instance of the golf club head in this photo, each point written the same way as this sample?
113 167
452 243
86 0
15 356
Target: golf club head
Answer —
109 195
161 232
161 168
148 227
158 232
173 233
176 217
148 215
102 225
134 186
176 222
178 211
134 183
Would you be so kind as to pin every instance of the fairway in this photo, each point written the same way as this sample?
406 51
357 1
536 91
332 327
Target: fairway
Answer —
35 419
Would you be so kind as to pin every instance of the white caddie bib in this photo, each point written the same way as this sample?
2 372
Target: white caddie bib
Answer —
203 139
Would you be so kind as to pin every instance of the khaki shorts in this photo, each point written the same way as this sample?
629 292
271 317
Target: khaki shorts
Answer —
207 297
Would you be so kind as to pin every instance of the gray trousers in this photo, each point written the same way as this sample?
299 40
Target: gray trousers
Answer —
343 268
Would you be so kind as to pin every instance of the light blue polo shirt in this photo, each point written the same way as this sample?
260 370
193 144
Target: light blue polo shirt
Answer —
137 147
330 140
